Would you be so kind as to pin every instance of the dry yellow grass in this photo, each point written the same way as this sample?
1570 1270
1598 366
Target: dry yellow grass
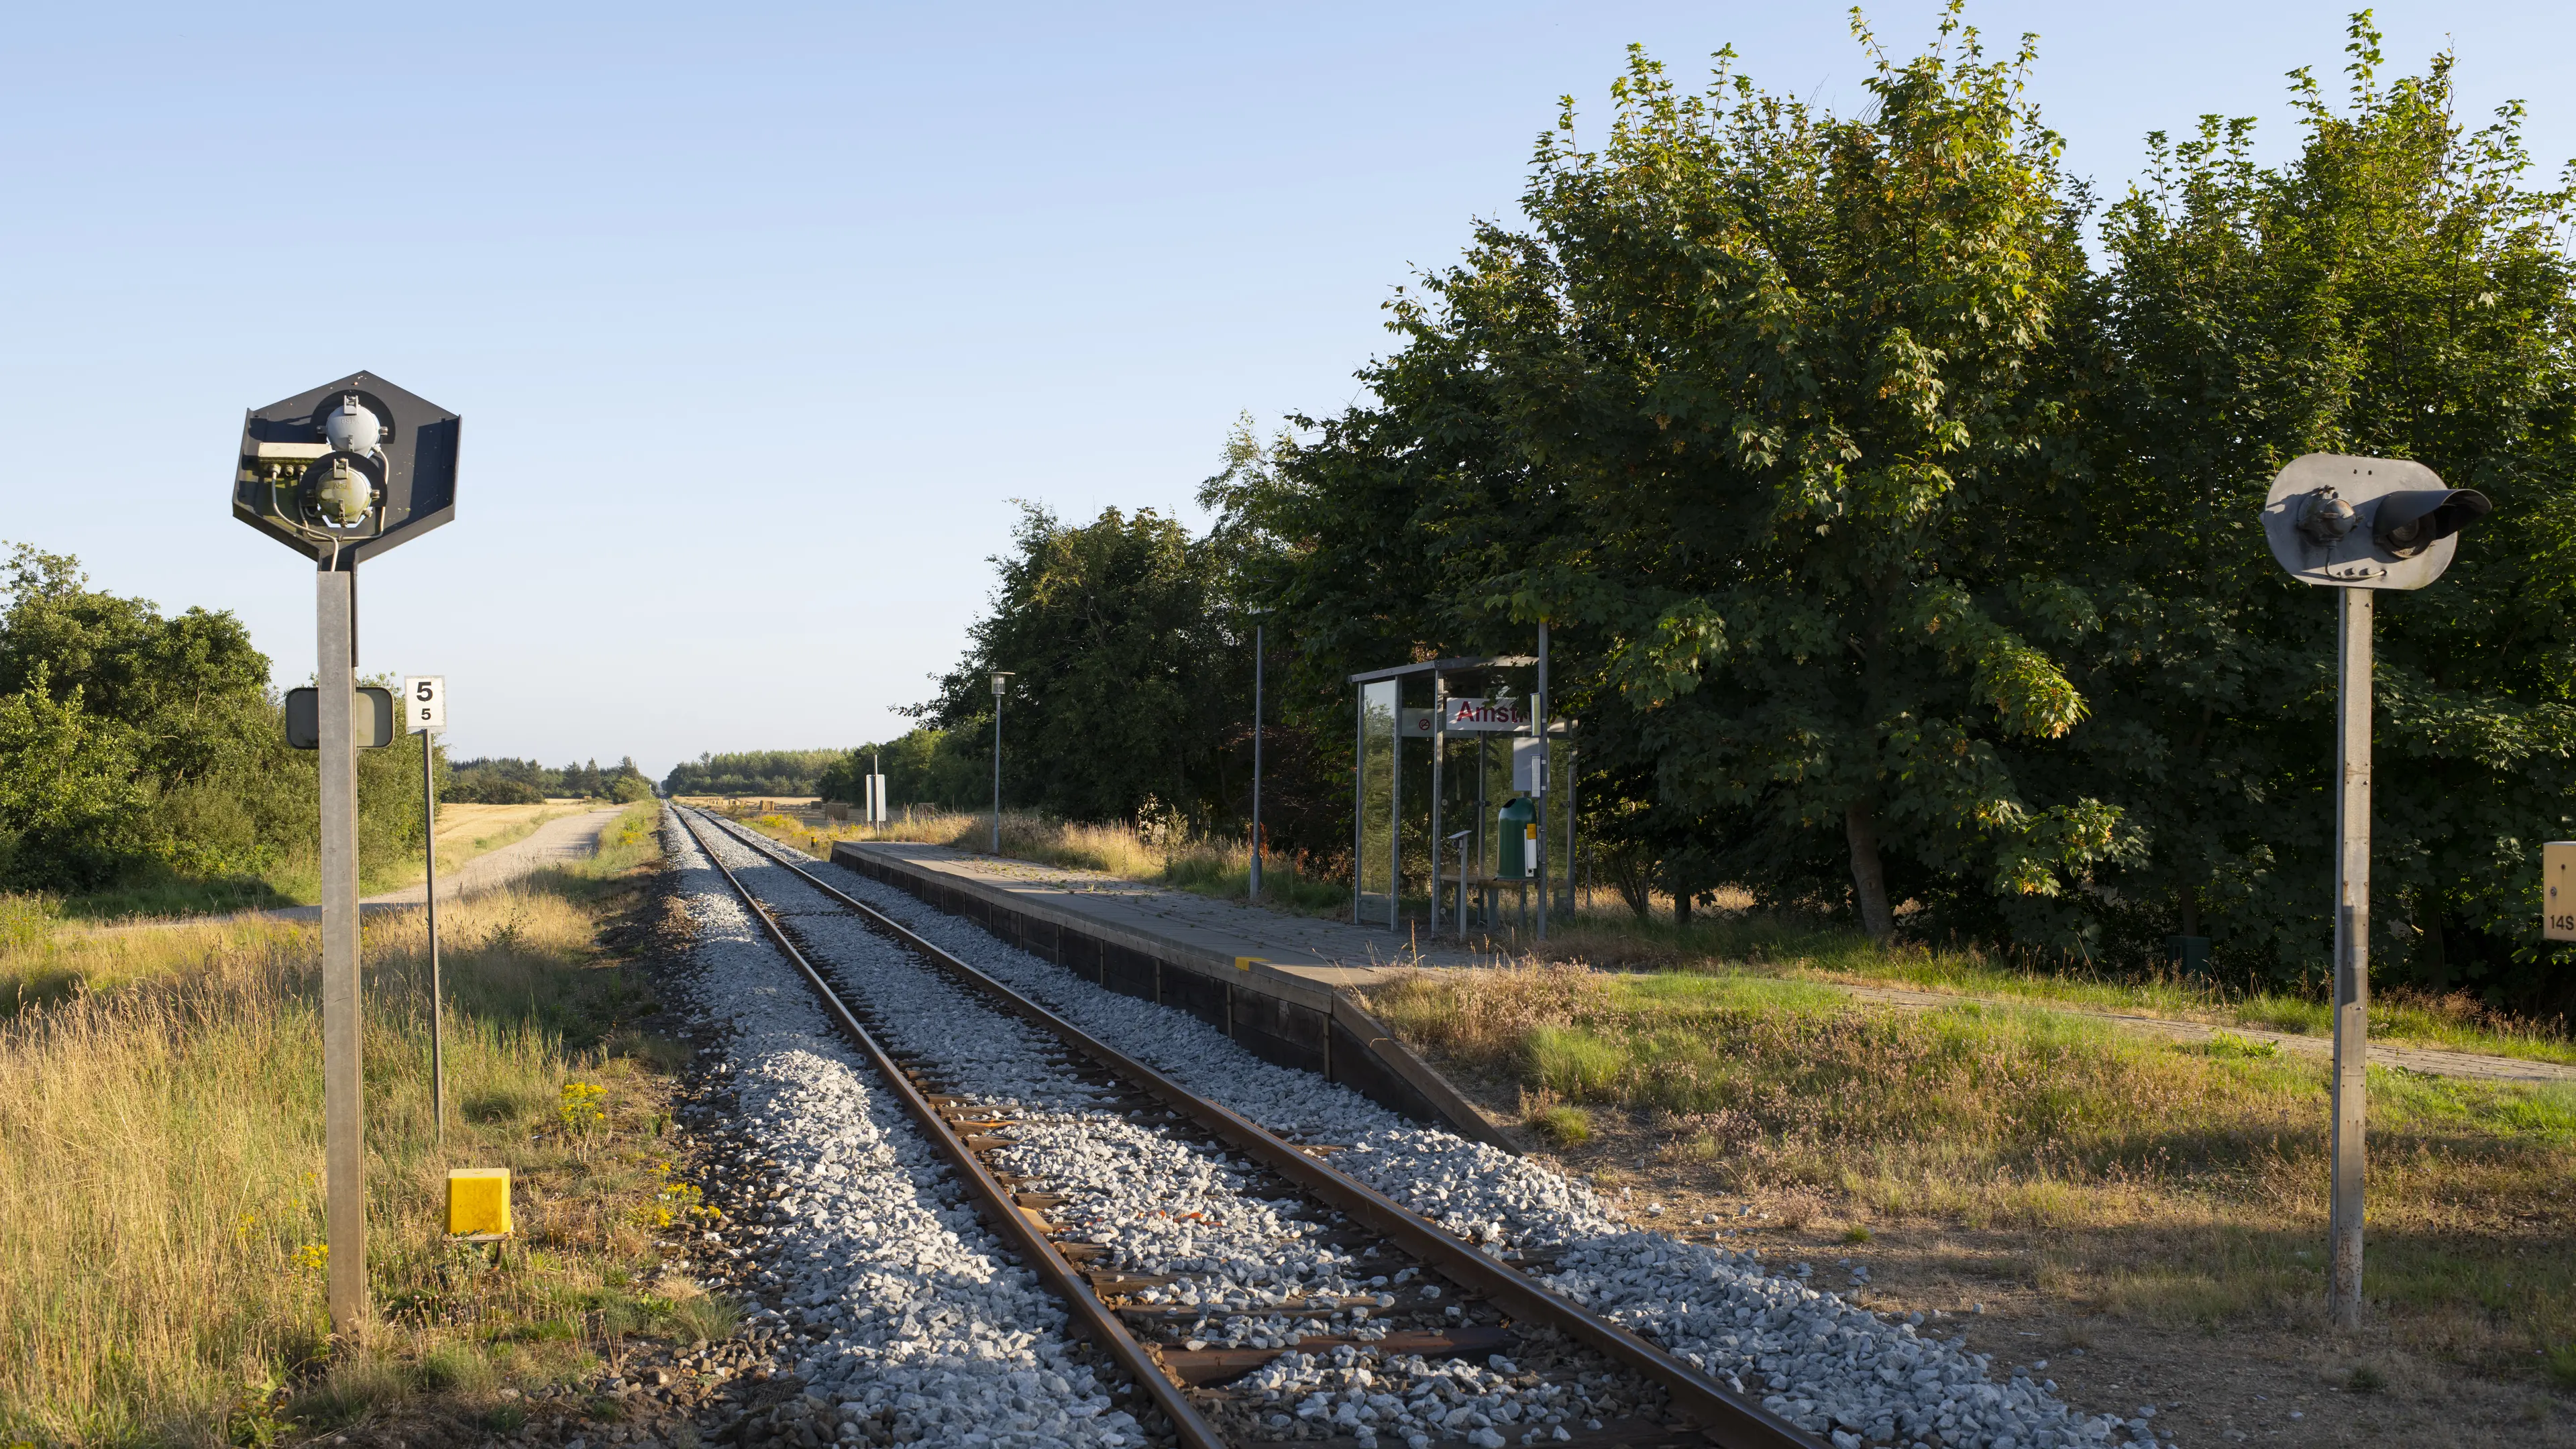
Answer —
1164 854
161 1151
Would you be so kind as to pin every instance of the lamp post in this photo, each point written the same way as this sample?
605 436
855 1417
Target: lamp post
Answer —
1256 763
2358 525
1000 678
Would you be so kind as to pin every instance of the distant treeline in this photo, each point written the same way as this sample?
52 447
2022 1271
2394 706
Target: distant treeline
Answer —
927 767
504 781
750 772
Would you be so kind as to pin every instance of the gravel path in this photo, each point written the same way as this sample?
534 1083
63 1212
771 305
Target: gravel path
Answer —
1836 1369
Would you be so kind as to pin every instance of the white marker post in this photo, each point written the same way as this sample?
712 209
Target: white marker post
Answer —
425 714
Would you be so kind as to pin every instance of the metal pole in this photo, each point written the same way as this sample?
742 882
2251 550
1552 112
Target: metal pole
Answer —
1484 767
343 1147
1256 761
1572 887
437 1007
997 765
1395 813
2352 946
1359 797
1439 747
1538 721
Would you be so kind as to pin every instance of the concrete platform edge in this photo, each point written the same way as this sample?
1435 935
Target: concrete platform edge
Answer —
1277 1016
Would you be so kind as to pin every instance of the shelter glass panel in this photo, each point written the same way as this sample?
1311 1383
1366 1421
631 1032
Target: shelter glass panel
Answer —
1376 800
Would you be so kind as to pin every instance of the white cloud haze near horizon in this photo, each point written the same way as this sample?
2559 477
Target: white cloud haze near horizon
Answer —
759 319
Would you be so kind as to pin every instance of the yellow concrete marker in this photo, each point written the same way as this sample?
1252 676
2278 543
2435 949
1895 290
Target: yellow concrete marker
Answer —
478 1202
1246 963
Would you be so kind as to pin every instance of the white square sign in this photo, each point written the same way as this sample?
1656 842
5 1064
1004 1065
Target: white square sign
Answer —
424 703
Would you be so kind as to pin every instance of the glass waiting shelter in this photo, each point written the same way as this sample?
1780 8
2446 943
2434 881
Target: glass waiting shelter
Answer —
1450 792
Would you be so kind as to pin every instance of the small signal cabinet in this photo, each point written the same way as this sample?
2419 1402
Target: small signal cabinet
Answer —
2558 890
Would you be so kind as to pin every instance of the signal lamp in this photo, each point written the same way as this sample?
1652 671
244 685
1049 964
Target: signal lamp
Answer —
2406 524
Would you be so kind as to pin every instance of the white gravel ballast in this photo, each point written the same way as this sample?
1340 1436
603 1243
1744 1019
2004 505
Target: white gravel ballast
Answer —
927 1317
1837 1370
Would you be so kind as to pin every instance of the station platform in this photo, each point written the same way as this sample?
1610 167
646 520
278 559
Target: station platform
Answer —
1279 984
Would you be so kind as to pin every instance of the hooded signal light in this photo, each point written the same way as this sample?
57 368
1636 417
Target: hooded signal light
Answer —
2406 524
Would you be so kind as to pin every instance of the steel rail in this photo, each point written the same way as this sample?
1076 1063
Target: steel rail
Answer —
1060 1277
1727 1419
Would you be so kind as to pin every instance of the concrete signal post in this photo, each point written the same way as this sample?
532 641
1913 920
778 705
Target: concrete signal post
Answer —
341 474
2357 526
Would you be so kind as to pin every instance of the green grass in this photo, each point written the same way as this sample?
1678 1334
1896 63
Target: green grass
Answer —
2182 1180
1561 1125
1749 944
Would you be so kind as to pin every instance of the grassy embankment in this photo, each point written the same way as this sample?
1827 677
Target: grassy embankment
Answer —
1728 942
1211 866
161 1150
2179 1182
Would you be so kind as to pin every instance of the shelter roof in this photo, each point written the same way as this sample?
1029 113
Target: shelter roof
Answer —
1445 666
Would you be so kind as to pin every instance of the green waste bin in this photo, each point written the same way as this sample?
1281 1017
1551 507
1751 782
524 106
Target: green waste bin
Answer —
1519 840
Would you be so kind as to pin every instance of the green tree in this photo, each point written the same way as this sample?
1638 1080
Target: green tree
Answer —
1131 683
69 790
2394 289
137 748
1756 412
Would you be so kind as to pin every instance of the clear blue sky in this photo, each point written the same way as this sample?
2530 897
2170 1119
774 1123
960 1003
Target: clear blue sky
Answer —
759 316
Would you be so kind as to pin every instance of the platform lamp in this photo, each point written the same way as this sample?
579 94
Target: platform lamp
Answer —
1001 682
2357 526
340 474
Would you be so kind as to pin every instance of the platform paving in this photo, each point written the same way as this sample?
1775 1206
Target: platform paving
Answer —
1217 933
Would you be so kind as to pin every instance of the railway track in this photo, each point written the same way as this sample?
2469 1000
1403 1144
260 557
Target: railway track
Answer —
1293 1301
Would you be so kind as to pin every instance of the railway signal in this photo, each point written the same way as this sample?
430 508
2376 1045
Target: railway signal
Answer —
342 473
2358 525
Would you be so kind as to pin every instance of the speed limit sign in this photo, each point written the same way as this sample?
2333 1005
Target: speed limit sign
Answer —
424 698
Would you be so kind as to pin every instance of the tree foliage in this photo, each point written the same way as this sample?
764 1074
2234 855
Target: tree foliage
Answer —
2393 290
1130 686
1899 556
136 747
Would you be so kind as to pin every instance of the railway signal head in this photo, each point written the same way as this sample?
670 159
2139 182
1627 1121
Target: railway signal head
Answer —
347 470
2366 523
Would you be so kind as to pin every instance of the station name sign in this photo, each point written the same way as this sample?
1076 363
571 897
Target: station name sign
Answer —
1506 715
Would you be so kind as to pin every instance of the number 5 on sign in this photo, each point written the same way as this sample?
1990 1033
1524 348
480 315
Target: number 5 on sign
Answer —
425 704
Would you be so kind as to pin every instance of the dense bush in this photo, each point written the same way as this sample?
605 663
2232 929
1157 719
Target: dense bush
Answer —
140 750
